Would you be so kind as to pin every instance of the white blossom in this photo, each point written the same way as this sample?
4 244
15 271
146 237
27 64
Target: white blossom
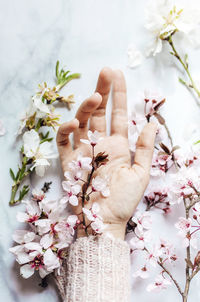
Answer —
40 153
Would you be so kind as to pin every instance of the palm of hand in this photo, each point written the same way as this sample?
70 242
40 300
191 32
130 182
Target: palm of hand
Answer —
126 183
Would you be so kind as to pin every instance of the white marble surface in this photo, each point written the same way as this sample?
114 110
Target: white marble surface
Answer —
85 35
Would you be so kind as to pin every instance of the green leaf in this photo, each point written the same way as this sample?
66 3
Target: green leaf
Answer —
12 174
197 142
21 174
57 69
23 192
46 140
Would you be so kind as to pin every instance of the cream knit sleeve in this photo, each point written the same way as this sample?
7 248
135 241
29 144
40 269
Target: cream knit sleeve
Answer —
97 270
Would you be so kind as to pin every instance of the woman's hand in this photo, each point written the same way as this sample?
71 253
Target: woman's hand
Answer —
126 183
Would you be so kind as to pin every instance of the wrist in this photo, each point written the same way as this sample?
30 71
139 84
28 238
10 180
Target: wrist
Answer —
115 230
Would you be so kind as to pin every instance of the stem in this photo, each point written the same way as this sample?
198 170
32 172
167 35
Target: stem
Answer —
171 277
86 186
185 66
172 145
187 268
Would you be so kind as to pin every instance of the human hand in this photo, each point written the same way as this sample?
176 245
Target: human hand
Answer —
126 183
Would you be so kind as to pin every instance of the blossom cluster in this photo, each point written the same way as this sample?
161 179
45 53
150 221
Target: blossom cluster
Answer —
175 168
37 147
155 253
76 188
43 247
51 230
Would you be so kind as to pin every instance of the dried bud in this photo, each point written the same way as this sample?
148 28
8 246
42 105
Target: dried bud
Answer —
100 159
197 260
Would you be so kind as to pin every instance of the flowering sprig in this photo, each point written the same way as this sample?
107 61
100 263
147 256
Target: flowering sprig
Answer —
43 246
80 184
37 149
176 166
166 20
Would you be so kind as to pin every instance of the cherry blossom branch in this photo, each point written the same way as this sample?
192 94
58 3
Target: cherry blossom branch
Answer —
171 277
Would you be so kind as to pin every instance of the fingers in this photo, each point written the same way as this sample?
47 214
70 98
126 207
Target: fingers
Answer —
83 114
145 148
119 121
98 119
62 137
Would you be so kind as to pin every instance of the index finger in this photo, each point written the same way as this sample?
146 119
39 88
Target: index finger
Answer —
145 148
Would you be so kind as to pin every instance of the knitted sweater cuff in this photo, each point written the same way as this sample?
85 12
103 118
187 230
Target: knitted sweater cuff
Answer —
97 270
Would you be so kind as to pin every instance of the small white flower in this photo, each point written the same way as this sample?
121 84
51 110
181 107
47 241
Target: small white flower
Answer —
100 185
143 221
142 273
23 236
183 225
98 226
93 138
159 284
166 17
71 192
32 213
135 57
141 238
38 152
92 214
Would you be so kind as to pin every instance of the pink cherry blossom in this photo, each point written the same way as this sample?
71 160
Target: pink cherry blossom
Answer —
142 220
160 163
92 214
183 225
159 284
98 226
71 192
141 273
81 162
140 240
93 138
67 226
100 185
158 197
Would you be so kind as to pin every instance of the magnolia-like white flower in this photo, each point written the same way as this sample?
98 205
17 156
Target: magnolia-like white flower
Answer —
38 152
141 273
100 185
32 214
2 129
44 262
71 192
143 221
159 284
135 57
165 17
93 138
23 236
42 109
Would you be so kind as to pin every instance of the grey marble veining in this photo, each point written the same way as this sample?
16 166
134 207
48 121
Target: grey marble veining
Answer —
84 35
